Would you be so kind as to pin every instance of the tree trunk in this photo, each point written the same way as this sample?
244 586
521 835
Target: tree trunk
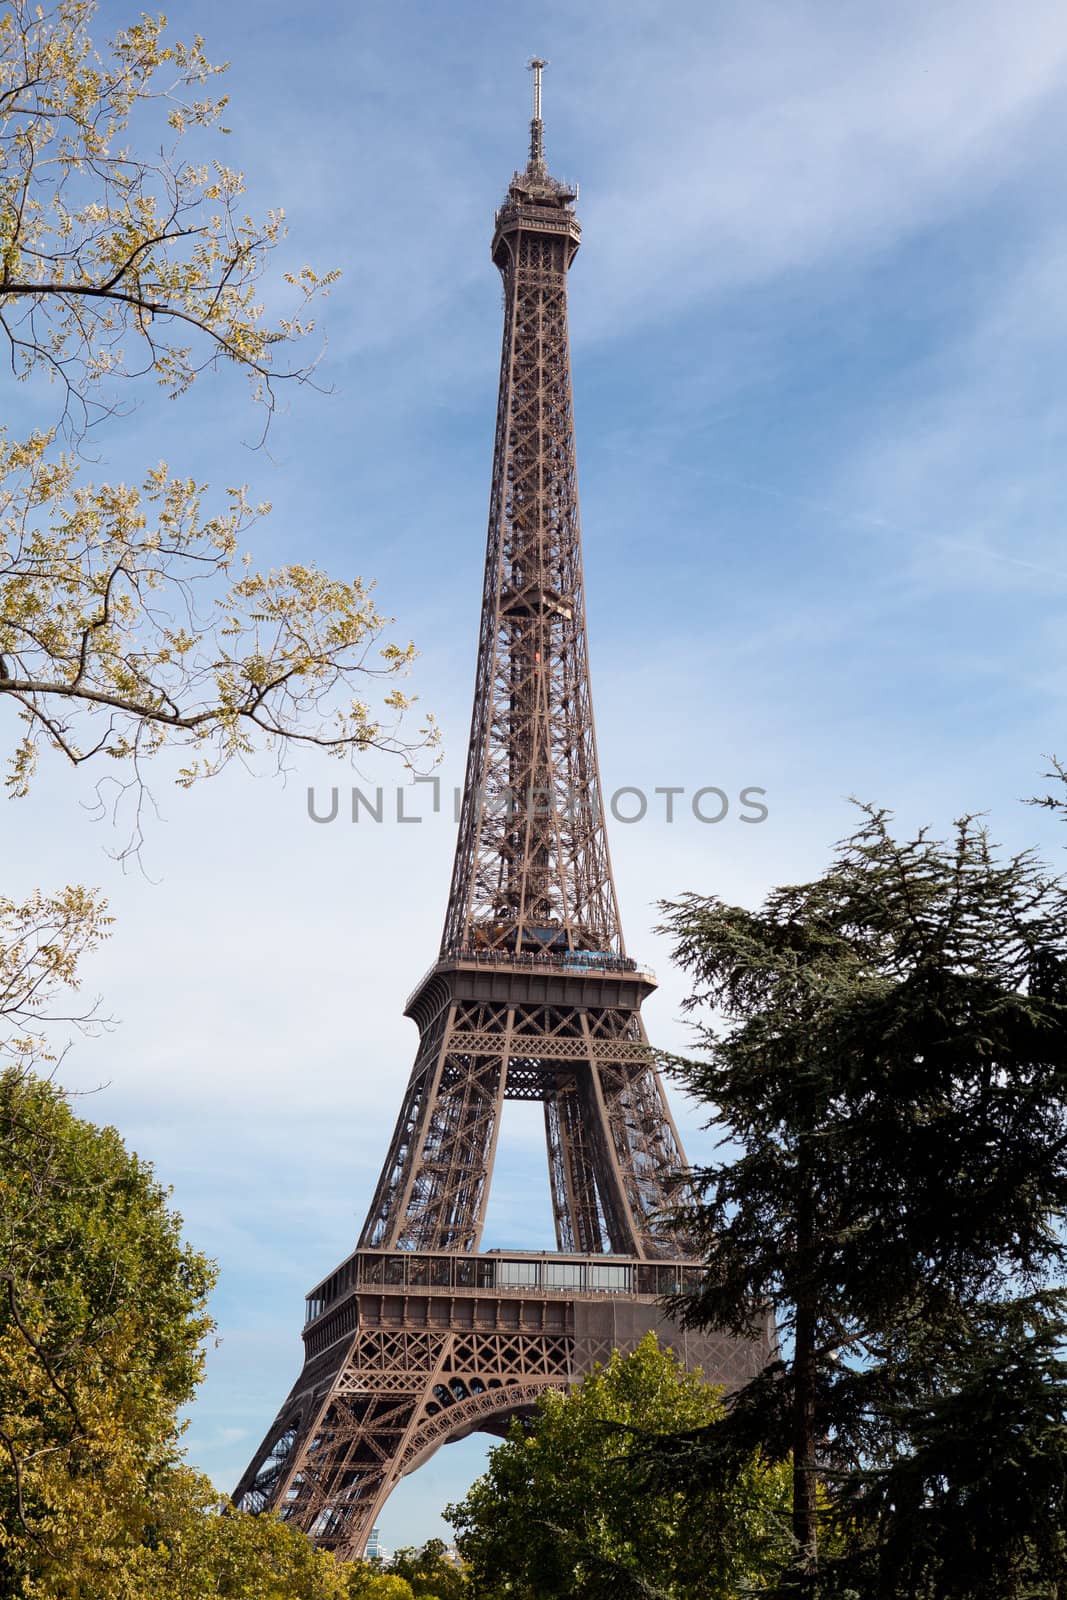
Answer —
805 1483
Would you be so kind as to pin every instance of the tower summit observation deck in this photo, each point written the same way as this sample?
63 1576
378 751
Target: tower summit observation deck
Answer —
418 1337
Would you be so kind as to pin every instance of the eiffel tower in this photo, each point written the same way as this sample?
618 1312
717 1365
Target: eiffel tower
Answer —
419 1338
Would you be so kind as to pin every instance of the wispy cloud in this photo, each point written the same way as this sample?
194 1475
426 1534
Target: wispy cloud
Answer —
790 138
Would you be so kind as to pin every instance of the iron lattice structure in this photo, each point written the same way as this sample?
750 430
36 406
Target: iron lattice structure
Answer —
417 1338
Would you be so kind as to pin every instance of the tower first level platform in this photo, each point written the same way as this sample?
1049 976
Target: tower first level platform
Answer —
405 1351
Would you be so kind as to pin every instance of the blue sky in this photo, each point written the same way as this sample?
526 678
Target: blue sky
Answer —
819 323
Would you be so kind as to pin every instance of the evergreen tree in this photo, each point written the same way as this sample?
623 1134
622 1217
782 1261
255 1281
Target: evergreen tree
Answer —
892 1076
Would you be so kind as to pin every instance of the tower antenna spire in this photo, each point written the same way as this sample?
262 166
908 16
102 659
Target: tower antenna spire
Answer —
537 127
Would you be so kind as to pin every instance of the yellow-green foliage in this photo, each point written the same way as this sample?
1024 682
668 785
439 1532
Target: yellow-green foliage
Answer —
102 1322
113 260
129 619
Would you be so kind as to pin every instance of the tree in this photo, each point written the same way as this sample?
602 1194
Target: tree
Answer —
1054 801
42 940
365 1582
102 1319
128 622
198 1545
429 1574
115 262
129 619
565 1508
893 1072
102 1324
965 1496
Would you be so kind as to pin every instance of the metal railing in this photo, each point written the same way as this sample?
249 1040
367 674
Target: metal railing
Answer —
592 961
504 1272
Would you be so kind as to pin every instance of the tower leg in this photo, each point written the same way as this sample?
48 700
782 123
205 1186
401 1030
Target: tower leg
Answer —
576 1204
433 1189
